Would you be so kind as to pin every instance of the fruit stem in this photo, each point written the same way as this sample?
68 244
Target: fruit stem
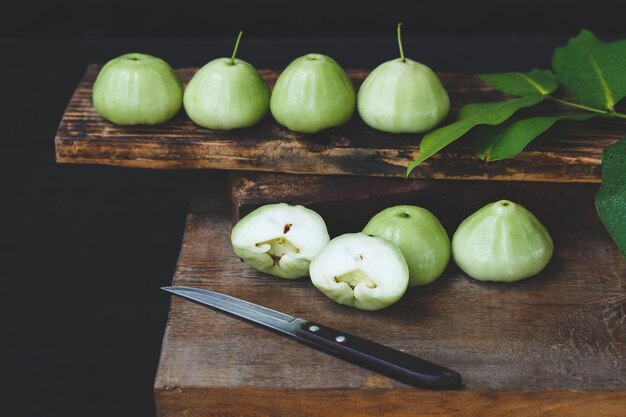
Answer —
232 58
400 43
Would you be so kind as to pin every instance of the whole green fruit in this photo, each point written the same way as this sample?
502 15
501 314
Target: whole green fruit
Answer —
227 93
402 96
366 272
420 236
501 242
137 89
312 94
280 239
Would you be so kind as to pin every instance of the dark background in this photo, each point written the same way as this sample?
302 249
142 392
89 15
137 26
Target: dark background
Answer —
166 18
86 248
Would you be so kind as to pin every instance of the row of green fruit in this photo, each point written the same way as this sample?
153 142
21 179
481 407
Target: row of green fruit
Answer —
312 94
400 247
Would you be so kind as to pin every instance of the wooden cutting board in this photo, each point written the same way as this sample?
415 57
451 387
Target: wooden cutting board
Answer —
551 345
570 152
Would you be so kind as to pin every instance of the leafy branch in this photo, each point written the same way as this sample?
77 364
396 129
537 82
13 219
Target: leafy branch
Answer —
592 73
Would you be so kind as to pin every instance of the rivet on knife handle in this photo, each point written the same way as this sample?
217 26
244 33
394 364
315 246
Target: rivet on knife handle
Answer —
383 359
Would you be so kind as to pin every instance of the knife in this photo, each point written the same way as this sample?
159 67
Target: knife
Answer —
383 359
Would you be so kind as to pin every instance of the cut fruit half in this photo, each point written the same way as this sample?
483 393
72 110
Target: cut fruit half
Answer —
280 239
366 272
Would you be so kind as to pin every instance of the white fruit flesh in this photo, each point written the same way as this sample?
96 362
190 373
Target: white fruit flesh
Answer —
280 239
361 271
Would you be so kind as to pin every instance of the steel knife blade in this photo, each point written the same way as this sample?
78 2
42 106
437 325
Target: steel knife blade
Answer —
383 359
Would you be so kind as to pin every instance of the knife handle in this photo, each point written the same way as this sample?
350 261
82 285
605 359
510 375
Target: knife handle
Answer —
383 359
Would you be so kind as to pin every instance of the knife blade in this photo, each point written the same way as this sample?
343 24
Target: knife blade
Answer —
374 356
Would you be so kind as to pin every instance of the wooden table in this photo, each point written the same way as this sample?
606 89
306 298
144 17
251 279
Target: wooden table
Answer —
551 345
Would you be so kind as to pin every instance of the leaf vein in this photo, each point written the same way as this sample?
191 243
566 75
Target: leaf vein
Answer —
530 81
610 103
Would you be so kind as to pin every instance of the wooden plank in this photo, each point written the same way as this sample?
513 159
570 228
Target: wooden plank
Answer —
568 153
551 345
376 402
334 197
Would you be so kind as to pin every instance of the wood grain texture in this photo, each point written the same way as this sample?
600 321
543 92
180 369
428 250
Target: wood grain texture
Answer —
336 197
568 153
552 345
376 402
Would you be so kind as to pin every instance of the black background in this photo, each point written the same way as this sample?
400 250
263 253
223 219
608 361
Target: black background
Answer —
86 248
167 18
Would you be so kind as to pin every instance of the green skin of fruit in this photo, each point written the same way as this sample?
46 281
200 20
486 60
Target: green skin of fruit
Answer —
280 239
136 89
312 94
227 96
502 242
420 237
403 97
361 271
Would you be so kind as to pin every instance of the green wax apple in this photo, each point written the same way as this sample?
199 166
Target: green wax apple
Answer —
280 239
366 272
501 242
420 236
402 96
312 94
137 89
227 93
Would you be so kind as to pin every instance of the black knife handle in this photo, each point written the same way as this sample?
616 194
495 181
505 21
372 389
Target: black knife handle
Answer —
383 359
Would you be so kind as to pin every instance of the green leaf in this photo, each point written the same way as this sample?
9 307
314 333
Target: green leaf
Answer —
494 143
522 84
591 71
611 198
470 116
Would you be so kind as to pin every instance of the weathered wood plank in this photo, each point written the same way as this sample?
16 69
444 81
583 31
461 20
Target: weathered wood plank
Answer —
376 402
334 197
569 153
524 349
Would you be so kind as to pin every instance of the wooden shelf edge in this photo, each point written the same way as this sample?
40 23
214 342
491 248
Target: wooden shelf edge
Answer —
147 163
191 402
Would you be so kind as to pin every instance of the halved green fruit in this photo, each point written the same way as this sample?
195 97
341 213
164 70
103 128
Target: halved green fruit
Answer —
366 272
280 239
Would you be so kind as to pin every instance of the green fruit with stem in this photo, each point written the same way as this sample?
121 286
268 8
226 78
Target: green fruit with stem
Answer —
402 96
502 242
135 89
227 93
361 271
420 237
312 94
